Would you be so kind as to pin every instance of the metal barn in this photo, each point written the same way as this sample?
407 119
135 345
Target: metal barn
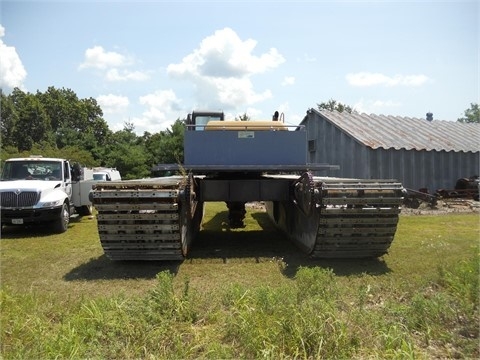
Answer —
417 152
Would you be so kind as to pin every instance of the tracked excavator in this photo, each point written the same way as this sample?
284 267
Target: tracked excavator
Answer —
238 162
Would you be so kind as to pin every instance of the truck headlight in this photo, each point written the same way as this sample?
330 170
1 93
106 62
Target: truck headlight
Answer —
51 203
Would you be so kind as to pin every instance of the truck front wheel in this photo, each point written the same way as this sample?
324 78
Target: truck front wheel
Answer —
85 210
61 224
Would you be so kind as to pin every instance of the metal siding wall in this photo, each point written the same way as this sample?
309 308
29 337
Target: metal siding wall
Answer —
414 168
372 162
329 146
360 160
423 169
427 168
447 170
341 152
396 162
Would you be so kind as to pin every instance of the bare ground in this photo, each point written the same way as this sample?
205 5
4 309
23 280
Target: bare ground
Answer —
446 206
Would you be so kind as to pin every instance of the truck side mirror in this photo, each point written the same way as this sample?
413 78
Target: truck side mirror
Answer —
76 172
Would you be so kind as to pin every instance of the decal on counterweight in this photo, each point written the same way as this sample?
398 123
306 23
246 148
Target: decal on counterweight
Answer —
246 134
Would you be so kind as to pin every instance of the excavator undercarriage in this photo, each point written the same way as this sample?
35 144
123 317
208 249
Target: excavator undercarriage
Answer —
326 217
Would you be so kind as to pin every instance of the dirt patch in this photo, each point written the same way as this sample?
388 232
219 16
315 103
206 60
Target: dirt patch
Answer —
447 206
257 205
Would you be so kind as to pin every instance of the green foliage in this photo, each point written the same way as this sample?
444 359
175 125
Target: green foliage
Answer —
243 117
333 105
167 147
292 321
471 115
33 125
57 123
72 153
9 117
462 280
125 151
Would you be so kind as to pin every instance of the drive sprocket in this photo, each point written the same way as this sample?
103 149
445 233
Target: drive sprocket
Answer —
304 193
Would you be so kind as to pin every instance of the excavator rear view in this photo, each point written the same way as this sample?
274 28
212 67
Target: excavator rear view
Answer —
239 162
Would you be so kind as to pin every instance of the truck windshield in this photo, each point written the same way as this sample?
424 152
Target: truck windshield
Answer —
32 170
100 176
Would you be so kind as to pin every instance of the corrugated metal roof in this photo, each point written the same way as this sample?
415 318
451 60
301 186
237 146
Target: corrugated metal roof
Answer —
380 131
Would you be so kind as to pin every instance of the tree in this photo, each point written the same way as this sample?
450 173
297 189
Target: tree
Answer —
75 122
166 147
243 117
57 123
126 152
61 106
171 143
333 105
55 118
471 115
33 125
70 152
9 118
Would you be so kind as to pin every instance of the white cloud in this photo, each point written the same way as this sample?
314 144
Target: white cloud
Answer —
163 108
112 104
288 80
98 58
112 64
221 69
160 110
165 99
225 55
307 58
372 79
376 106
12 72
229 92
124 75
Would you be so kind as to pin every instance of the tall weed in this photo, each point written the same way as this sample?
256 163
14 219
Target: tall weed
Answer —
463 280
297 321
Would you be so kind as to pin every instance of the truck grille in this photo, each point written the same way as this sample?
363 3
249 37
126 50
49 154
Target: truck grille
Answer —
10 199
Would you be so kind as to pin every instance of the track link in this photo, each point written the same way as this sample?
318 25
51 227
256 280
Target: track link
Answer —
358 218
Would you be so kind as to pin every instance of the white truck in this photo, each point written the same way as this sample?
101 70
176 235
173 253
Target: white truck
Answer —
106 174
37 190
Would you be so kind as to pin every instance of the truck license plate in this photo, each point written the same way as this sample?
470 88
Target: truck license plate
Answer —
17 221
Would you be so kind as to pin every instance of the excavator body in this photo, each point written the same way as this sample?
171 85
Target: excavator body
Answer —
239 162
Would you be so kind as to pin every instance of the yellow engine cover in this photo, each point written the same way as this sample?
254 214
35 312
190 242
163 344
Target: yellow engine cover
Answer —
245 125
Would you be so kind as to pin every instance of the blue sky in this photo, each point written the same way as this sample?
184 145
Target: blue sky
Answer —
151 62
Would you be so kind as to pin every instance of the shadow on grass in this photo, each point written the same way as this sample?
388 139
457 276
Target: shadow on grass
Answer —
104 268
217 241
11 232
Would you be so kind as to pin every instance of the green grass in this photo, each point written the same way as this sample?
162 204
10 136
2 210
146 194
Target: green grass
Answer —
246 293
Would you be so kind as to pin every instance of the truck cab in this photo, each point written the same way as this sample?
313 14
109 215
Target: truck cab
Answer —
106 174
38 190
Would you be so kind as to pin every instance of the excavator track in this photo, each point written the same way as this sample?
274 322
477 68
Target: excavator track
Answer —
157 219
148 219
358 218
339 218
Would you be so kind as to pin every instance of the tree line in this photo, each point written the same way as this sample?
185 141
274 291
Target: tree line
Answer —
56 123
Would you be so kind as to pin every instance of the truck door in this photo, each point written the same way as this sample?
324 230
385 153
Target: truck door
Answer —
67 179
